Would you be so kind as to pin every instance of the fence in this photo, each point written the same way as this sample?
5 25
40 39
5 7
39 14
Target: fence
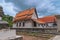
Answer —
39 30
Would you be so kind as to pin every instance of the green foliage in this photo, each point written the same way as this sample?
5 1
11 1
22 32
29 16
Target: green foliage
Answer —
8 19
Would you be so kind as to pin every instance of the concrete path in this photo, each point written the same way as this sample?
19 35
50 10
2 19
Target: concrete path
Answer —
57 37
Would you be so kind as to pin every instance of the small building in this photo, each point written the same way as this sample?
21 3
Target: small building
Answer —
3 24
28 20
58 22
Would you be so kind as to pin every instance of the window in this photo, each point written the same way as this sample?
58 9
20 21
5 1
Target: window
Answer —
19 24
54 24
34 23
23 24
38 24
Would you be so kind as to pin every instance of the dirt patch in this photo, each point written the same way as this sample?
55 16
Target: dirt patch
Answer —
35 36
27 37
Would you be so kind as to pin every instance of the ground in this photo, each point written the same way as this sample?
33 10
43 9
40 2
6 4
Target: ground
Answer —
57 37
35 36
27 37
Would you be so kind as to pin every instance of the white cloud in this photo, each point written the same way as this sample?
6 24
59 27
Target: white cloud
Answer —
8 8
41 16
42 5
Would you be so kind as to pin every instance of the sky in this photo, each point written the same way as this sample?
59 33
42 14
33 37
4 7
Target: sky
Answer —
43 7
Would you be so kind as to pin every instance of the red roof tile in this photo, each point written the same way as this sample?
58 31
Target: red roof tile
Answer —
46 19
26 14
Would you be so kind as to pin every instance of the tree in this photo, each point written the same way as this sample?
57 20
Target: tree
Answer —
8 19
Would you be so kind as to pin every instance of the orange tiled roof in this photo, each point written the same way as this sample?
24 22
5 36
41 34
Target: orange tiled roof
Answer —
26 14
46 19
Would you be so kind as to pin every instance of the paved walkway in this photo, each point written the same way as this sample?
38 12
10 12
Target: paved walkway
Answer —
57 37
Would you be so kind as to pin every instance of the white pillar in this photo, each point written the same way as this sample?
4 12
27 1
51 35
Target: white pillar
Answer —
0 18
18 24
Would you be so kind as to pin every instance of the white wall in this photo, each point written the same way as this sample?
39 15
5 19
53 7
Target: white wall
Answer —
6 34
0 18
34 16
28 24
14 25
58 24
50 24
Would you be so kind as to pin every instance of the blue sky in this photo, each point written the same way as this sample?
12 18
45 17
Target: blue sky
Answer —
44 7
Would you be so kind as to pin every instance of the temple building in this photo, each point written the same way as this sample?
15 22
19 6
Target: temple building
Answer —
3 24
28 20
